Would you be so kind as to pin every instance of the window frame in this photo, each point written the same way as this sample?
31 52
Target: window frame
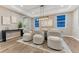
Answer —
66 17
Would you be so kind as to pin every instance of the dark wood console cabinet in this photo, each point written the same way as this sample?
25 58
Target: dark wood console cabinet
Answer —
8 34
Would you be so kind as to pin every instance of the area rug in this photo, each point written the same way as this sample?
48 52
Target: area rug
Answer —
44 47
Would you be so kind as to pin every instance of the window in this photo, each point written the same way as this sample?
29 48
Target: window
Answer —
61 21
36 24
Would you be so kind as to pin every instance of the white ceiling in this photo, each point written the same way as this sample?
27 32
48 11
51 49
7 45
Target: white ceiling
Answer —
34 10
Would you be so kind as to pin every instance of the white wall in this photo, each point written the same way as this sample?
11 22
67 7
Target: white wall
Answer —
68 29
76 23
69 19
6 12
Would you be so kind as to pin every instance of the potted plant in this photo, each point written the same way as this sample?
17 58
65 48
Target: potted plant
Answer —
20 25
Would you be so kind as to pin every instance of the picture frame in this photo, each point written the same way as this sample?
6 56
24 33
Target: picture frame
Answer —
13 19
0 20
6 20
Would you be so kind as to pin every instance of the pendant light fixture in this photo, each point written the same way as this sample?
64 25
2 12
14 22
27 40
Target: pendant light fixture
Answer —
41 10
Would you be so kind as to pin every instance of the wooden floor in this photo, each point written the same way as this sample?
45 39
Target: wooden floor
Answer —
72 43
12 46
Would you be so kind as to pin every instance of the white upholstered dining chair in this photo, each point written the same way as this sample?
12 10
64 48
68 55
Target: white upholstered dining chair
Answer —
54 40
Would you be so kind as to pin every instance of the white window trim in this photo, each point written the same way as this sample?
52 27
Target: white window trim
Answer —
66 20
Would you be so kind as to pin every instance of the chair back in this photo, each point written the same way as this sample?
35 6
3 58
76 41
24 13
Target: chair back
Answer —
38 32
51 33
